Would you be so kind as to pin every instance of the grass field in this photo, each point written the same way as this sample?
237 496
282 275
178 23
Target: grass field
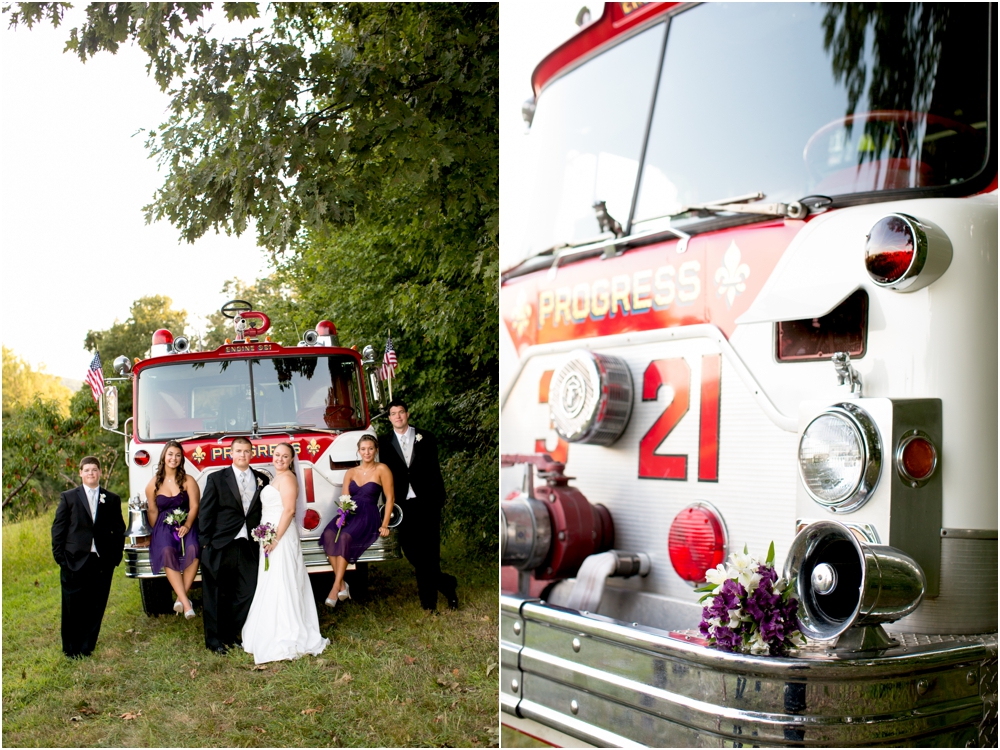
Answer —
392 676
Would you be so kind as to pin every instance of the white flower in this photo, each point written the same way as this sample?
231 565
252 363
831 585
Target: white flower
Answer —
744 569
735 617
102 497
260 482
757 644
717 576
419 438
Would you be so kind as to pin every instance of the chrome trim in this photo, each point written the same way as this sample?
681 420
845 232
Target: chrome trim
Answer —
590 398
901 469
637 685
919 253
527 532
871 445
383 549
969 533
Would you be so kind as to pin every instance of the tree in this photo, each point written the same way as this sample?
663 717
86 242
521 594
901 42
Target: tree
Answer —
134 337
23 385
304 125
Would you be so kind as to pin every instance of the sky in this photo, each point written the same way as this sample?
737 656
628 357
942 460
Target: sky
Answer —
74 175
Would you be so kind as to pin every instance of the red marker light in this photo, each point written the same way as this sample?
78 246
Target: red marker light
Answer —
895 250
326 328
141 458
697 542
163 336
916 457
311 521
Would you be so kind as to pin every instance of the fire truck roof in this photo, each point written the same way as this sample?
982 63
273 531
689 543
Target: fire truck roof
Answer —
618 19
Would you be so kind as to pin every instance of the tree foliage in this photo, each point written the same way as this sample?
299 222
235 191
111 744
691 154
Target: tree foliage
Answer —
134 336
23 385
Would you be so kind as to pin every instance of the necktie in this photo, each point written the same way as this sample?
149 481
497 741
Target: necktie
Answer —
244 494
92 497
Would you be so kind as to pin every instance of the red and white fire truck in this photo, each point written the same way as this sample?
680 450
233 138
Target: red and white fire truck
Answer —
314 396
754 299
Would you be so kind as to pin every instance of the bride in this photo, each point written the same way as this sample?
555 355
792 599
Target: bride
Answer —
282 623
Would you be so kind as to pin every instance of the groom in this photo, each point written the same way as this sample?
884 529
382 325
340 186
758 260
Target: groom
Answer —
411 456
88 536
230 508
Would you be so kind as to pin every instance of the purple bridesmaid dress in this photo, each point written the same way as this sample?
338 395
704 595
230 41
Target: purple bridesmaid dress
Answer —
164 547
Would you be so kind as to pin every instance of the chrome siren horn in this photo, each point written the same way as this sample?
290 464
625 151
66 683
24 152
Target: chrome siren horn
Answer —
590 398
846 588
181 344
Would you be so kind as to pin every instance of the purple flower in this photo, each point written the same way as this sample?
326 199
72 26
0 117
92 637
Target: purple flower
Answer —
726 638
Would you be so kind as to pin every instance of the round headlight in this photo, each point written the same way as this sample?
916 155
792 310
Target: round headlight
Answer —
840 458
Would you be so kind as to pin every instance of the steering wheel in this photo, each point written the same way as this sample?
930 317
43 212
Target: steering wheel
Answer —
235 307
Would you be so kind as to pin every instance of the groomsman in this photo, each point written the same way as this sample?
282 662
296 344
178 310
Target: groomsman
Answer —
411 455
88 537
230 509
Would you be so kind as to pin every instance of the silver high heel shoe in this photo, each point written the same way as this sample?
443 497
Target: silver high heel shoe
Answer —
178 607
189 615
331 603
345 593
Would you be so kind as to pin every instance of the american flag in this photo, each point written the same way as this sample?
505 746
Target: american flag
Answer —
95 377
388 369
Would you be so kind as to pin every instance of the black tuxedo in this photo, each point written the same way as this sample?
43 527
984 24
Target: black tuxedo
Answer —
228 565
84 576
420 531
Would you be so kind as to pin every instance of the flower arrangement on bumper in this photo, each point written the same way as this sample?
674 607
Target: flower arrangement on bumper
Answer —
749 608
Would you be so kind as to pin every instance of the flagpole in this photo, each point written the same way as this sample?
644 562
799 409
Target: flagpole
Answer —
389 373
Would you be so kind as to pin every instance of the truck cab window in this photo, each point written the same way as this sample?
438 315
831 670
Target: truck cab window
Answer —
826 102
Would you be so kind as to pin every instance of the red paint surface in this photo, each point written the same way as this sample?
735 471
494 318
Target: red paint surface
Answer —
307 479
650 288
676 373
617 19
214 453
708 430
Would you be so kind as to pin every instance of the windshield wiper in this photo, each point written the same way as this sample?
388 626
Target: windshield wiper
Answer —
738 205
286 429
203 435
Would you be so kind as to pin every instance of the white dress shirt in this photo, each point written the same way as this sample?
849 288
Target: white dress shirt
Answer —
92 498
248 477
406 440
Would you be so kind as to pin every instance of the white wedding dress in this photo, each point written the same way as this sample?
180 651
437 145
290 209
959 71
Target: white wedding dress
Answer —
282 623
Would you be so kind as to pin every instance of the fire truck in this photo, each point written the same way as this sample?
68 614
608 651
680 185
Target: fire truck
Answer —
753 298
314 396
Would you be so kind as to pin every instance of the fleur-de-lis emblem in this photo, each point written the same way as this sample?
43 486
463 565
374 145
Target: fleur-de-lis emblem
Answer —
732 275
198 456
521 316
313 447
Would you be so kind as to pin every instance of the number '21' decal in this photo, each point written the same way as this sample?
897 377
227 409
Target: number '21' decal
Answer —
676 373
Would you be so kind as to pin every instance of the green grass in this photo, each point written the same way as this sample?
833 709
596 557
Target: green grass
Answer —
392 676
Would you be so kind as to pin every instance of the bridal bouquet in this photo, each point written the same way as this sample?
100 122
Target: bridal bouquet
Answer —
748 607
265 534
344 506
175 520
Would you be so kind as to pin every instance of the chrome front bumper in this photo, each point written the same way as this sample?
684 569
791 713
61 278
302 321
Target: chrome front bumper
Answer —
387 548
617 684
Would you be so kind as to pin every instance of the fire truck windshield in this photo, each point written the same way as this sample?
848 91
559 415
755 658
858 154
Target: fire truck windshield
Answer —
184 399
788 99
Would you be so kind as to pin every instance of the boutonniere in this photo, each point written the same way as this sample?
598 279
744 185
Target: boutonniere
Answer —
102 497
260 482
419 437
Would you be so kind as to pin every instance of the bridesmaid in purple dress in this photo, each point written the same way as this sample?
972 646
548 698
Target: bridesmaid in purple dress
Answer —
364 483
171 489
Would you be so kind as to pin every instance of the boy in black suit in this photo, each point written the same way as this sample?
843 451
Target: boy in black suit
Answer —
230 509
411 455
88 537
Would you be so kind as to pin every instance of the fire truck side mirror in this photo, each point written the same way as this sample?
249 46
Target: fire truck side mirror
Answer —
122 366
109 408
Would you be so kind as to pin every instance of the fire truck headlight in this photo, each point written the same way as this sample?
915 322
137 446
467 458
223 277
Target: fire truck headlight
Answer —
840 458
